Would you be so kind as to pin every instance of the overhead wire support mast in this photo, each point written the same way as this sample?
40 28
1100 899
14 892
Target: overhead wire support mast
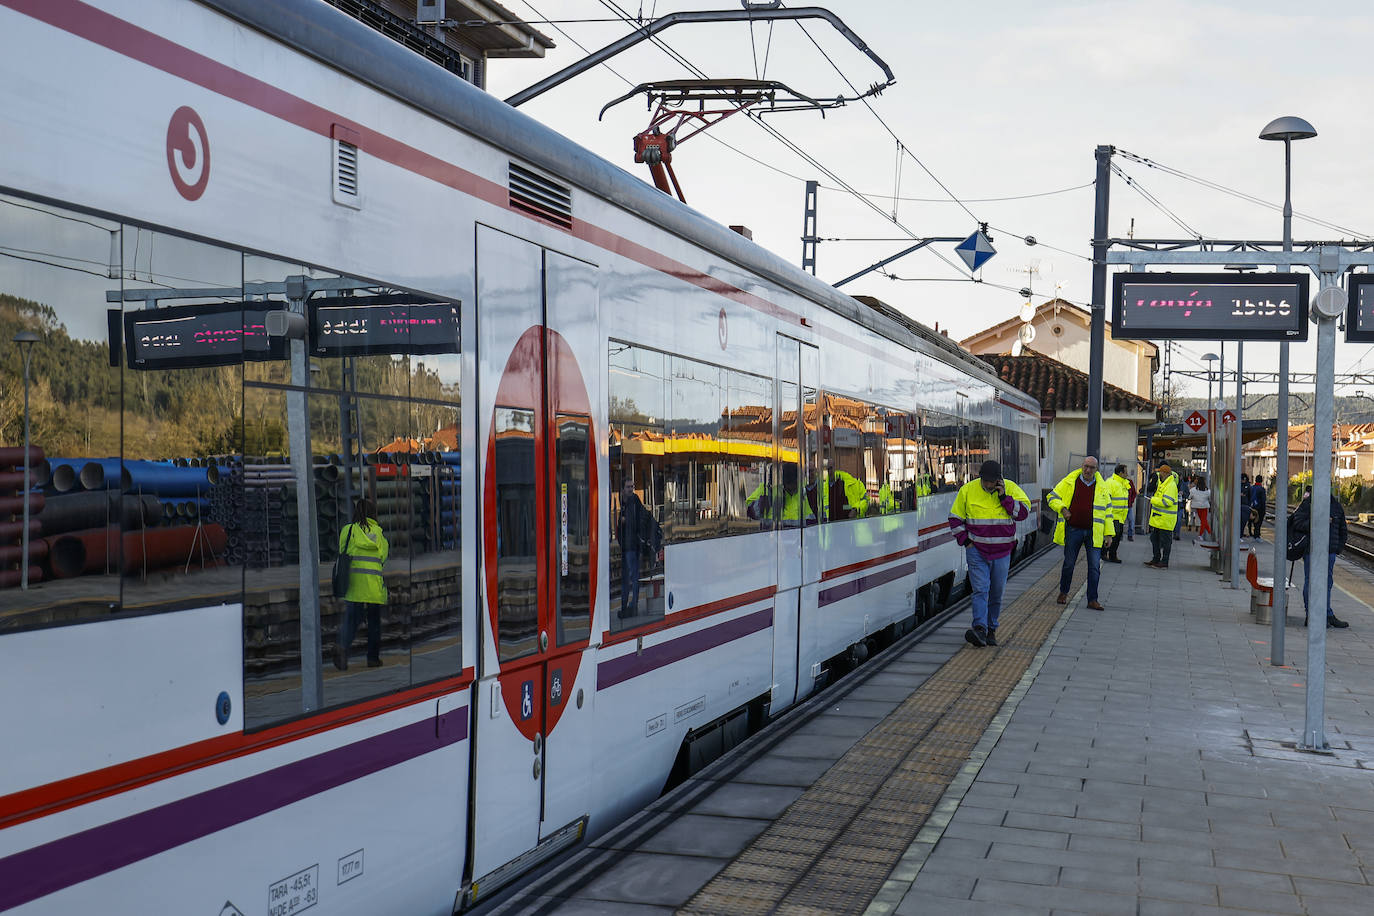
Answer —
749 14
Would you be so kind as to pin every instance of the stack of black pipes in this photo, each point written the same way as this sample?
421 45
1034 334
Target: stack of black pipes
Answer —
12 515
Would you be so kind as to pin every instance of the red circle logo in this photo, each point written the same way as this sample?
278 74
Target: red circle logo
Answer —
188 153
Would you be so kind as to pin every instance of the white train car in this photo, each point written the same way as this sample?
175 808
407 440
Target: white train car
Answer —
274 263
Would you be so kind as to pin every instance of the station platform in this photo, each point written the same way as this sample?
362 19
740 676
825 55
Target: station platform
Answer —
1135 760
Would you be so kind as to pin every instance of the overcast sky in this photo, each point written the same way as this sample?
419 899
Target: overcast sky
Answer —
1002 99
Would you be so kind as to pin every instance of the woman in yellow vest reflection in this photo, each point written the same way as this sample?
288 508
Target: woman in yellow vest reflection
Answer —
364 542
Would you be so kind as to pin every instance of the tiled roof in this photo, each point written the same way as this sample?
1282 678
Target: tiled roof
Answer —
1060 387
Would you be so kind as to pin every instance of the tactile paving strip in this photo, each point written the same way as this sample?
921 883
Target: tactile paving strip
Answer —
832 849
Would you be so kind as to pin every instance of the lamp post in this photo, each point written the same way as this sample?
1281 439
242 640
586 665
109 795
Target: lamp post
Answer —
25 340
1286 129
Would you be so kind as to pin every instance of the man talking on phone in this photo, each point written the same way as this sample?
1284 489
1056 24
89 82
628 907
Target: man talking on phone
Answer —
983 520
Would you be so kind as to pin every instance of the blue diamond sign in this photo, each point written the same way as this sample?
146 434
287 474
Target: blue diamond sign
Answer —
976 250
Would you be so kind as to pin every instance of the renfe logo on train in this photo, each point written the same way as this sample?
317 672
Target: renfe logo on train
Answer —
188 153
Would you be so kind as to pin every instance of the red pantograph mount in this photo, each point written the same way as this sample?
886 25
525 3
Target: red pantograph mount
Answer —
714 101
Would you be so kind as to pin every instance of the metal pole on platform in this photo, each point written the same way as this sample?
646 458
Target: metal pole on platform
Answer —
1329 304
1242 507
1286 129
1098 325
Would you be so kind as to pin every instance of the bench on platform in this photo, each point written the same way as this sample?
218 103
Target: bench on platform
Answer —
1261 589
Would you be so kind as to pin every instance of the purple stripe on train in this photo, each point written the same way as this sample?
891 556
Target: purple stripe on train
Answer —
633 664
863 583
49 868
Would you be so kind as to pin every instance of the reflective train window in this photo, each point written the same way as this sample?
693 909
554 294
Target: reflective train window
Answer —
692 492
637 406
191 459
872 466
746 442
55 274
517 538
942 445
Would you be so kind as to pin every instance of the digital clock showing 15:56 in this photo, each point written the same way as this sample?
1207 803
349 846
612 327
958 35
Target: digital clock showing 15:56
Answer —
1179 306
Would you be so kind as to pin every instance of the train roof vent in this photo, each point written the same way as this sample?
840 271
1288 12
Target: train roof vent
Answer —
347 190
536 195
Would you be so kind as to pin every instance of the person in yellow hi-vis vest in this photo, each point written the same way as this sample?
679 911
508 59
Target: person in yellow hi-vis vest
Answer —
983 519
1120 486
1163 516
366 546
1084 506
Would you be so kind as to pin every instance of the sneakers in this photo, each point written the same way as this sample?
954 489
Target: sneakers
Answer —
1336 623
1130 537
1062 599
992 636
976 637
1095 606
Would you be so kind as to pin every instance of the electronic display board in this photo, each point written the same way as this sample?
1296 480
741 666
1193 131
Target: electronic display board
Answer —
400 323
1180 306
193 336
1359 310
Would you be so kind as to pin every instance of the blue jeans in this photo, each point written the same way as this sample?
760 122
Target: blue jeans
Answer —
1130 520
988 578
1075 538
1330 580
629 583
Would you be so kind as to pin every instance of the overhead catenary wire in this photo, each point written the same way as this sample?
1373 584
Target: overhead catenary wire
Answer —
840 186
1250 198
1135 185
778 135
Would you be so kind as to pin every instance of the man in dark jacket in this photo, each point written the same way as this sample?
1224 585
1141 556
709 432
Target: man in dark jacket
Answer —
1259 503
1301 524
638 532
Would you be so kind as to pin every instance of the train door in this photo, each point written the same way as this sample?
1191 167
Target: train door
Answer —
537 308
796 431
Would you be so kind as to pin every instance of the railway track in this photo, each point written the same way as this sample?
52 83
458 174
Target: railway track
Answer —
1360 542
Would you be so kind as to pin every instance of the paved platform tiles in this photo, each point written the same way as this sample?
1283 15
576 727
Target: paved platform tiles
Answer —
663 857
1144 771
832 849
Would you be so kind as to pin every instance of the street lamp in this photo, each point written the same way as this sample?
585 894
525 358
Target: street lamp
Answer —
1287 129
25 340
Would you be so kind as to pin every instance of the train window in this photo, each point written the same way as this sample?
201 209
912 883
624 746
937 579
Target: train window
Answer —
517 585
637 405
1029 459
692 491
746 441
978 445
940 441
182 416
180 433
55 287
572 528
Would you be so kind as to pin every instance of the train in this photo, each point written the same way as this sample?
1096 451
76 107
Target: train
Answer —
645 484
